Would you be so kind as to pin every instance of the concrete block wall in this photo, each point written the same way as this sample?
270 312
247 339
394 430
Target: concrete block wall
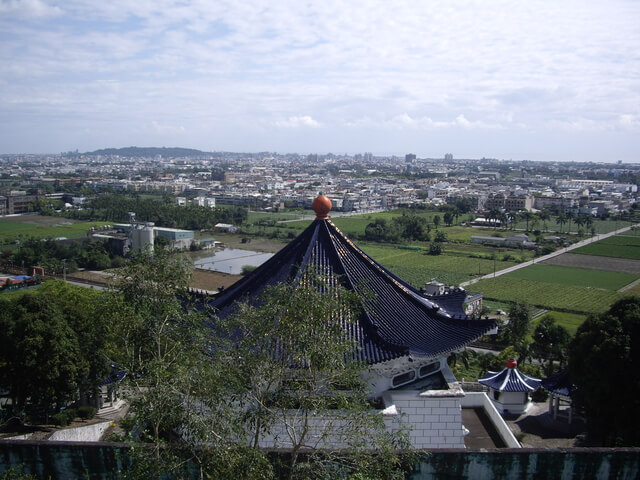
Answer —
432 422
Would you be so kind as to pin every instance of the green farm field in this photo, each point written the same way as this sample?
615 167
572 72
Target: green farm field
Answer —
418 268
551 296
570 321
580 277
619 246
43 227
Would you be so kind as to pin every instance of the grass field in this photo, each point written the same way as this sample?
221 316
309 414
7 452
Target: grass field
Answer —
418 268
570 321
552 296
619 246
580 277
11 230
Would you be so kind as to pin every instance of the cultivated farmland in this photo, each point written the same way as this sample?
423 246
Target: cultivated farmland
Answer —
580 277
551 296
596 262
570 321
418 268
43 227
620 246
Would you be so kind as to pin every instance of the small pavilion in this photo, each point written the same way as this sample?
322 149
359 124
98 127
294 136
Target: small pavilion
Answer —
510 389
560 389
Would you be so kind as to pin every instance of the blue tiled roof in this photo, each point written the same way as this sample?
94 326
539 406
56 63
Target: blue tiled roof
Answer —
510 380
559 383
396 320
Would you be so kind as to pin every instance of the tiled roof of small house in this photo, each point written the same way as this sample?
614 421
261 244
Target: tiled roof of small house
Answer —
510 380
396 320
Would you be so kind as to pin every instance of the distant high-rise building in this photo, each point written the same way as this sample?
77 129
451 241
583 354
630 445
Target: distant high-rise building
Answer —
448 157
410 158
368 156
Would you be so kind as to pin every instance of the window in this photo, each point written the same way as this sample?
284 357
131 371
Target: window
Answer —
429 369
403 378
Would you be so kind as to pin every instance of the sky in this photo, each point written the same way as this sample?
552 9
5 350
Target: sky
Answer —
537 80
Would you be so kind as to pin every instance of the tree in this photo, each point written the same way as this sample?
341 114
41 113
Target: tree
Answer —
550 342
436 220
516 331
161 342
527 216
381 230
435 248
448 218
440 237
603 364
561 220
51 346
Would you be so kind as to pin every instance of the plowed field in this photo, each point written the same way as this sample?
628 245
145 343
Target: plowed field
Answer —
596 262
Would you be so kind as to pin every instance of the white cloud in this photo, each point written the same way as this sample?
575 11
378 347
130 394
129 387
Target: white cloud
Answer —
28 9
629 121
297 122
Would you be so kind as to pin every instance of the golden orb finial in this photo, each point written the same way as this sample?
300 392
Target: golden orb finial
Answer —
322 206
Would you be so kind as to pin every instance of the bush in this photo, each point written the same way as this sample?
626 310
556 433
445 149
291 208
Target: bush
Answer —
71 414
540 395
86 412
60 419
246 269
435 249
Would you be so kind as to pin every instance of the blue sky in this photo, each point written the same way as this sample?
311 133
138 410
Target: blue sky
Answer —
540 80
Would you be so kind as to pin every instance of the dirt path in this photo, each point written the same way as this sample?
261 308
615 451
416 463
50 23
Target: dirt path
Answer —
630 286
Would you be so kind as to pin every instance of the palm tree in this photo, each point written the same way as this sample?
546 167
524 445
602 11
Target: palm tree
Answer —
492 216
544 216
561 220
527 216
570 216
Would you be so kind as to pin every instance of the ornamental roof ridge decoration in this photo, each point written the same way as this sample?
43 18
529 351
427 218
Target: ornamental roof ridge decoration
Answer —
395 320
510 380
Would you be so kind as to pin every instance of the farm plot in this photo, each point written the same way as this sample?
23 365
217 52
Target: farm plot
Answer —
618 246
596 262
418 268
580 277
551 296
570 321
9 230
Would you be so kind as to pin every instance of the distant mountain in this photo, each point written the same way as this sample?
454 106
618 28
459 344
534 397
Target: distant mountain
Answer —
149 152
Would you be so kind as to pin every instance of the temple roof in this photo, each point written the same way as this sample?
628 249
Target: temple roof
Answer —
396 320
510 380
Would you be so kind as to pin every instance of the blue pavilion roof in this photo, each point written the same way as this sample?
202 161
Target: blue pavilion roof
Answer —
510 380
396 320
559 383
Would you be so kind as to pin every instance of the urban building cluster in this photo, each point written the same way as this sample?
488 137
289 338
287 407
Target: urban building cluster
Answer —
354 183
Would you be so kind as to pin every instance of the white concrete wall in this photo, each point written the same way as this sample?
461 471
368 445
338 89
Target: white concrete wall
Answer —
481 400
89 433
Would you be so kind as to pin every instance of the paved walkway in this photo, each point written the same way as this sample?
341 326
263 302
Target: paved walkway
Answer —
561 251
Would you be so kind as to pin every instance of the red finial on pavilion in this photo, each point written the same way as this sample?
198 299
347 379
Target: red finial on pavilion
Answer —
322 206
512 364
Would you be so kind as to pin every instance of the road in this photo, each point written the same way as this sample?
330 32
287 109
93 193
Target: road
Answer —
561 251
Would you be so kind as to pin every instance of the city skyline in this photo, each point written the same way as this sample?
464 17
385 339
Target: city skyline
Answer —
541 81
